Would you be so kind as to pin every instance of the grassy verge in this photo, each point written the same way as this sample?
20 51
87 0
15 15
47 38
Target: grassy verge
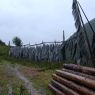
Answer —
9 82
39 78
41 82
39 73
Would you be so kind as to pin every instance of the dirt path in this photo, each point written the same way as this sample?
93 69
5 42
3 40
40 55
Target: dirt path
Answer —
15 71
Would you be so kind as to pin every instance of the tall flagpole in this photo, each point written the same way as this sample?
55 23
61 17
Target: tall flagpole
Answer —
93 41
89 46
86 17
63 36
79 24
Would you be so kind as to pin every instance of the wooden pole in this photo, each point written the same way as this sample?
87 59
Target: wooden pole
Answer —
79 74
55 90
63 88
80 89
79 79
86 70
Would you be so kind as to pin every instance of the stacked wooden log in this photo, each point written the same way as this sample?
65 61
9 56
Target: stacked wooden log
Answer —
73 80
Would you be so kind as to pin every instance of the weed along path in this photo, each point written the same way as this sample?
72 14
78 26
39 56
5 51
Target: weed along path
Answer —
23 76
19 79
26 83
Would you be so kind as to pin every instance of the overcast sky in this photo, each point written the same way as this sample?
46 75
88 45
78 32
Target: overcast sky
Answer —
37 20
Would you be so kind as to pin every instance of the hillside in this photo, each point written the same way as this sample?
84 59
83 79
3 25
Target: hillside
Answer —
89 31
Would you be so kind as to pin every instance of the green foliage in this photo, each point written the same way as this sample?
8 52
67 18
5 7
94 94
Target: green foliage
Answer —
40 81
2 43
8 80
17 41
4 51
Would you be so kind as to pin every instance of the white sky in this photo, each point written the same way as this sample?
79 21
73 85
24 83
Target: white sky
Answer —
37 20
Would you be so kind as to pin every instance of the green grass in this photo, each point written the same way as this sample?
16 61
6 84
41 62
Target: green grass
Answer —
4 51
7 80
40 82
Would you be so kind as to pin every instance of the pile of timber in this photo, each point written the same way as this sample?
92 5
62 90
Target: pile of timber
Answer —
73 80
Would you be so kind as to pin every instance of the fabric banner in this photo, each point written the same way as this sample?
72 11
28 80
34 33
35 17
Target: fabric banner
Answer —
82 45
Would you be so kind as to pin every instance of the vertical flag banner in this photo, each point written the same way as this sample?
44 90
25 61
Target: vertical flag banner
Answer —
83 52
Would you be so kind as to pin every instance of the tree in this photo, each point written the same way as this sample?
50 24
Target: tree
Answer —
2 43
17 41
